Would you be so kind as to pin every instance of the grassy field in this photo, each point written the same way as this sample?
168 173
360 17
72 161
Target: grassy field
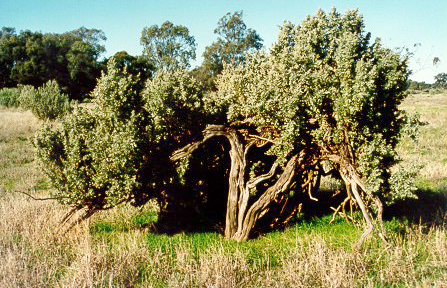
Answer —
115 248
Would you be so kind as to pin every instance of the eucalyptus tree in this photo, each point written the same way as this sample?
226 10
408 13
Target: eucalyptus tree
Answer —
234 41
92 36
135 65
324 101
168 46
441 80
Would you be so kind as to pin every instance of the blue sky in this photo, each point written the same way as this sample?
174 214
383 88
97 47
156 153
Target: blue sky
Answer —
399 23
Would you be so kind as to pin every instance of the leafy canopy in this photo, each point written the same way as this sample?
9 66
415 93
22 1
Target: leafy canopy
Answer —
234 42
323 85
168 46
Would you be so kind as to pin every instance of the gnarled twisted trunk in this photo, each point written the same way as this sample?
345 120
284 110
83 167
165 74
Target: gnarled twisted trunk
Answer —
260 207
356 186
240 217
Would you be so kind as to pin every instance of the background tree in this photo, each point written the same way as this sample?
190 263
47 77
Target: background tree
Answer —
94 37
169 46
134 65
419 86
233 43
33 58
7 31
441 80
8 39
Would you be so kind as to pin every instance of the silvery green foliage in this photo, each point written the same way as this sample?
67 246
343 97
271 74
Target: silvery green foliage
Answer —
173 101
324 88
94 158
46 102
118 151
27 96
326 85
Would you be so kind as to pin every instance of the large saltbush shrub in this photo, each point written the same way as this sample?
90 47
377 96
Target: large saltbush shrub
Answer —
94 157
324 101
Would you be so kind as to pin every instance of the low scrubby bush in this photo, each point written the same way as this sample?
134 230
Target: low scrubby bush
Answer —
9 97
46 102
27 94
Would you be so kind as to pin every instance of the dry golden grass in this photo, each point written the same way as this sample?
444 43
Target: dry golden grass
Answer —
32 256
113 250
431 148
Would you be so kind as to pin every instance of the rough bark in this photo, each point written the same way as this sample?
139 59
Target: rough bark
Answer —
260 207
236 180
240 218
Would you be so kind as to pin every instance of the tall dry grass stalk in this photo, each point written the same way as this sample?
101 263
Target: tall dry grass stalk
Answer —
31 255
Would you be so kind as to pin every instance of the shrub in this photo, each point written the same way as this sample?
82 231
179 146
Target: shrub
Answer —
27 96
323 101
9 97
94 158
46 102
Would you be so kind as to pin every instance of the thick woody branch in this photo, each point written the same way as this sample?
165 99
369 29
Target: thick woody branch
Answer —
261 178
209 132
187 150
260 207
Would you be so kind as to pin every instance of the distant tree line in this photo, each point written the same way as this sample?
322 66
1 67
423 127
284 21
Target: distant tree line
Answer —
73 59
34 58
440 83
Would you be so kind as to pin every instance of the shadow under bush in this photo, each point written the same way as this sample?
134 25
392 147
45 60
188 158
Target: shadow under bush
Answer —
430 208
199 203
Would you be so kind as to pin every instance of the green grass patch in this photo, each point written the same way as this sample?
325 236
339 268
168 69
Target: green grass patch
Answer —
145 218
41 185
439 185
107 227
262 251
22 138
9 184
121 223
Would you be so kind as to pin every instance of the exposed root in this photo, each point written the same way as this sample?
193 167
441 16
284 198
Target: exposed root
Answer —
355 183
309 191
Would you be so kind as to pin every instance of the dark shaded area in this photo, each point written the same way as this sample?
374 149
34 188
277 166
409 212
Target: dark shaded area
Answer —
199 203
429 209
317 209
201 208
310 209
